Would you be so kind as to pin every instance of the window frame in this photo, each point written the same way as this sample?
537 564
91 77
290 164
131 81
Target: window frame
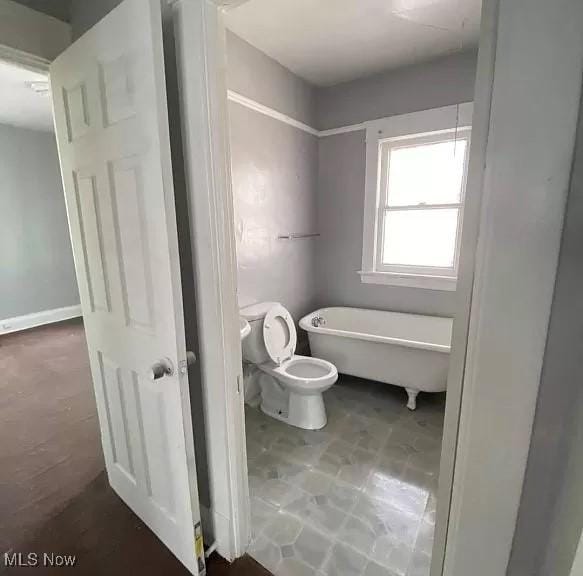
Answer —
423 127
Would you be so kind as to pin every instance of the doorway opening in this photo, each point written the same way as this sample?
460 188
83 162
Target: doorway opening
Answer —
50 435
348 174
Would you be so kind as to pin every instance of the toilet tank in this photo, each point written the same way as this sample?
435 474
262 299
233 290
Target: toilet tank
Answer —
253 346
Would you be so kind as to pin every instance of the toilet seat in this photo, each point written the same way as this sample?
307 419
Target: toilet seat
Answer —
279 334
304 374
296 395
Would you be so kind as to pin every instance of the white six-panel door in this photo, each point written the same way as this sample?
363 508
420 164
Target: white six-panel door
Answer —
109 102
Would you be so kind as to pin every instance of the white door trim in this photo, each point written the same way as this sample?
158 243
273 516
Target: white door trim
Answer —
201 64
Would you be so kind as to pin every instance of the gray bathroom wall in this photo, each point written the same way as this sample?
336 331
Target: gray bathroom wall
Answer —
550 517
275 176
441 82
259 77
36 261
341 174
341 177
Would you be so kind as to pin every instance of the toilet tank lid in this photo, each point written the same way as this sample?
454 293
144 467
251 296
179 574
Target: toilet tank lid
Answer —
257 311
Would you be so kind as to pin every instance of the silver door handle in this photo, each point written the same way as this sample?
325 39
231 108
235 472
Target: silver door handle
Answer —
162 368
165 367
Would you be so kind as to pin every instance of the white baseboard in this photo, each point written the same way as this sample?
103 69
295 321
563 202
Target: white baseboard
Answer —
18 323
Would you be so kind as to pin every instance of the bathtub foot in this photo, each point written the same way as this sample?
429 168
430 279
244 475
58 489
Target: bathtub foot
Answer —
412 402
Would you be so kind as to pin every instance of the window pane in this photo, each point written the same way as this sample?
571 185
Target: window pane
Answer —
427 173
420 237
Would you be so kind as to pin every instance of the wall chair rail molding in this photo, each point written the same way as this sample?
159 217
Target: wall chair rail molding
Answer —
267 111
272 113
27 321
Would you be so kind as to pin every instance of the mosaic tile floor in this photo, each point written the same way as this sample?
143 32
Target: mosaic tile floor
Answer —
356 498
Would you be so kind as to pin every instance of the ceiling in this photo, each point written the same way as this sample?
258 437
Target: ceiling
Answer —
60 9
331 41
20 105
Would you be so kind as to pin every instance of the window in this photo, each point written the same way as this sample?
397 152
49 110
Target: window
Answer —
413 226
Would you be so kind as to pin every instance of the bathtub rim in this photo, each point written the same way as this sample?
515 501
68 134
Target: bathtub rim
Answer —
305 324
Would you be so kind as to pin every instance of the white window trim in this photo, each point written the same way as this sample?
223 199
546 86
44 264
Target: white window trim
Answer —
445 283
378 132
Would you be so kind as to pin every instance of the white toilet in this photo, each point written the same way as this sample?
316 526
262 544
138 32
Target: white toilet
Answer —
291 386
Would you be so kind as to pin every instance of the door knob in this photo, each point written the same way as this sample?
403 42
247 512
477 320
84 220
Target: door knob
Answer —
190 361
162 368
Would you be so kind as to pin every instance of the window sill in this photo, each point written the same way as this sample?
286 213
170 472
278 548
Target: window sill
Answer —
444 283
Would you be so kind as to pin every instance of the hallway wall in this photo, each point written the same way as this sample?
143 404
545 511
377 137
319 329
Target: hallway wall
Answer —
36 262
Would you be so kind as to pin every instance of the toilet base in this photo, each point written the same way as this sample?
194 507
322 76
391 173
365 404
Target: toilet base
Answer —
302 411
281 402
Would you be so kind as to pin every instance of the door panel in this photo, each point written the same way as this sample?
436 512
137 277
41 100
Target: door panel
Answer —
90 219
112 131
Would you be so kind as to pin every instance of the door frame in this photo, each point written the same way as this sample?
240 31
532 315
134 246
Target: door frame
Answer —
199 45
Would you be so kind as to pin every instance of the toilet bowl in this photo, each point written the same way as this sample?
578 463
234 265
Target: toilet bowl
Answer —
291 385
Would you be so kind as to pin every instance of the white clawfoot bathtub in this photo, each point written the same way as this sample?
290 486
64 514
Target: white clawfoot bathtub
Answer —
407 350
